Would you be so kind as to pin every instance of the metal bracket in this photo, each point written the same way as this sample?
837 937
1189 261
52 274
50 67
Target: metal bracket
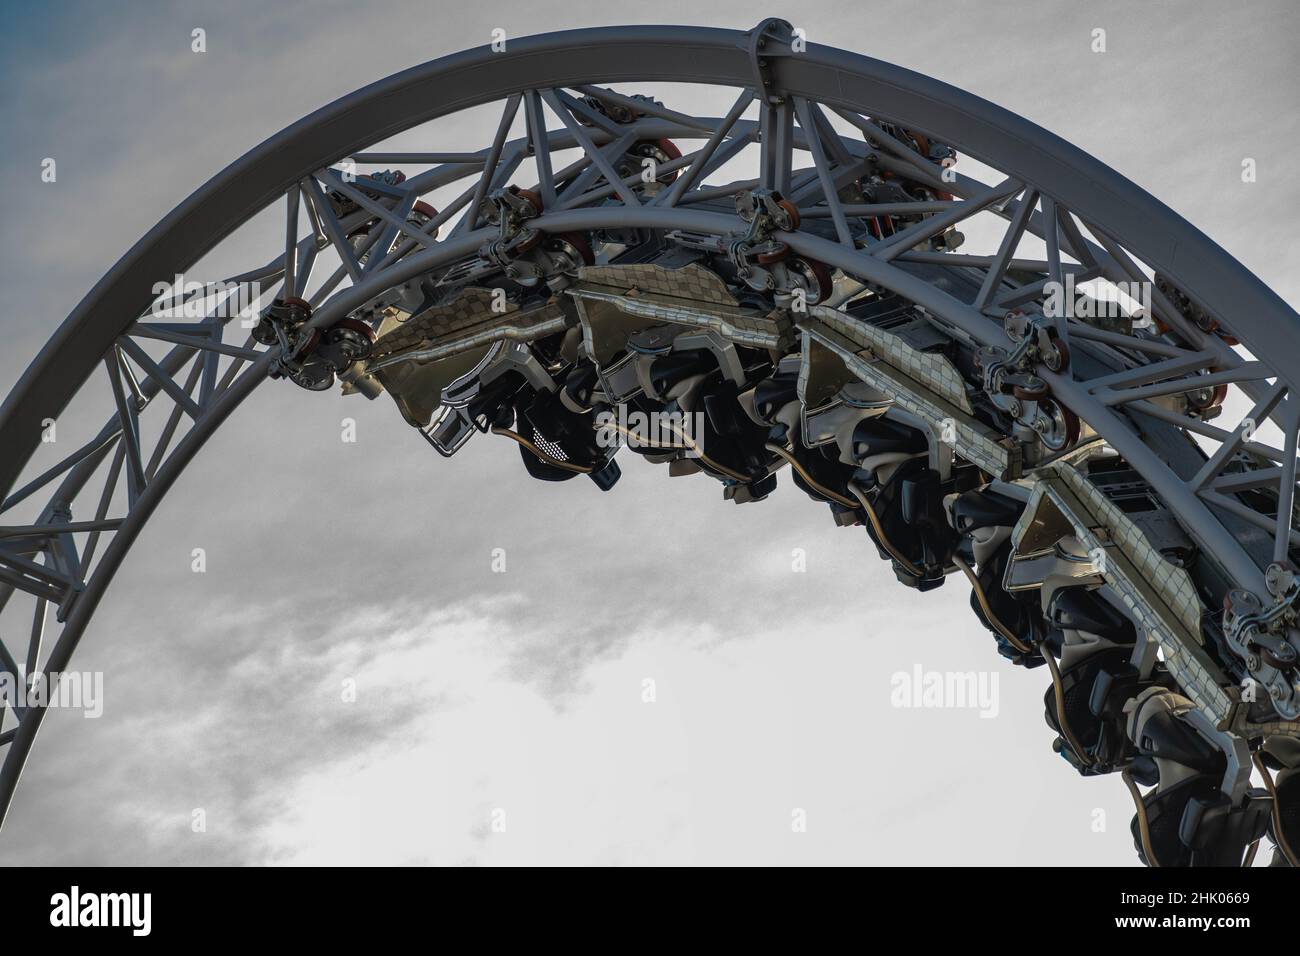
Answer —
1265 635
759 46
510 209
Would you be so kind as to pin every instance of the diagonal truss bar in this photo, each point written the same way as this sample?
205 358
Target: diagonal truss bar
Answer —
1055 275
1075 244
101 510
1130 272
900 242
724 154
1006 249
592 115
380 211
905 159
162 305
27 575
593 152
91 452
408 245
36 638
812 134
418 159
158 376
388 235
9 665
174 419
603 192
165 333
687 180
1261 410
648 107
866 210
539 143
292 199
312 218
485 179
1247 480
53 530
1034 290
1286 488
333 229
1246 372
1120 341
1198 426
834 144
575 192
1154 371
1235 507
129 422
308 249
96 444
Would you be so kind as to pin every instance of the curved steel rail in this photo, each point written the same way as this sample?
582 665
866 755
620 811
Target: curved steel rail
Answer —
1114 209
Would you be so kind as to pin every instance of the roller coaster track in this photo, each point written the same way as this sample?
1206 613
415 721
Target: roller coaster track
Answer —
1092 420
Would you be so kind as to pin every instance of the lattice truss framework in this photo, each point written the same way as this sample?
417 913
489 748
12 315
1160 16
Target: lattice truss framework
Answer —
170 381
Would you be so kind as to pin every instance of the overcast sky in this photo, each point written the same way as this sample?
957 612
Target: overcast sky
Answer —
519 696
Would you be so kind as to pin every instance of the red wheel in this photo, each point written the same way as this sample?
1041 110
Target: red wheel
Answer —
428 212
1271 658
1061 360
531 239
661 151
1072 421
777 255
1064 430
825 284
1217 396
1027 393
818 277
670 149
533 198
295 302
356 325
579 243
310 344
793 211
349 340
